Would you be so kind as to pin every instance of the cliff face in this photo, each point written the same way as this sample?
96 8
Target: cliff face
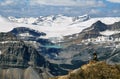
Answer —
16 73
94 70
17 53
115 26
19 60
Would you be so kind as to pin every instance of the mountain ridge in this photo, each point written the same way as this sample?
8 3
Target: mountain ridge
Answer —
62 26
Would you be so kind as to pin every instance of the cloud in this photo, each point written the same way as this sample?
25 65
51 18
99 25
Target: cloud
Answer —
82 3
7 2
114 1
14 2
94 11
65 7
90 3
115 11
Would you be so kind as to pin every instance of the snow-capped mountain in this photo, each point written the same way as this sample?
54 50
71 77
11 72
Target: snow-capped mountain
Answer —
49 19
54 26
68 42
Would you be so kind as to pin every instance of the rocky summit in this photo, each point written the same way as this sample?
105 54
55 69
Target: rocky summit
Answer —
93 70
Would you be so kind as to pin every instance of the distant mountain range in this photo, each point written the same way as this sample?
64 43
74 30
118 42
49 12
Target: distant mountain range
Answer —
54 26
57 44
98 32
49 19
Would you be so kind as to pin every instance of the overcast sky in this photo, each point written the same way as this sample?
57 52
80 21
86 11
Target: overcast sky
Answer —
27 8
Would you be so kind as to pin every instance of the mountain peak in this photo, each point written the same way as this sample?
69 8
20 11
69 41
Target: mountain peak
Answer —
99 26
81 18
99 22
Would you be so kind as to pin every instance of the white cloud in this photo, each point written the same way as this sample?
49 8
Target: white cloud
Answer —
90 3
114 1
115 11
94 11
83 3
6 2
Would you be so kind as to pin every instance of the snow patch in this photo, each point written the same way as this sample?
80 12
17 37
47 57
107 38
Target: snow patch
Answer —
25 34
0 52
109 32
3 42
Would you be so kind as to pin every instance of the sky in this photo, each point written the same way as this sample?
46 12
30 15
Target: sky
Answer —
35 8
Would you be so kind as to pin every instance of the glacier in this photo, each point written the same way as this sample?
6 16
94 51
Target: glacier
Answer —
54 26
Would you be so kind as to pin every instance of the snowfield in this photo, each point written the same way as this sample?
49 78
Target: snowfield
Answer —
109 32
54 26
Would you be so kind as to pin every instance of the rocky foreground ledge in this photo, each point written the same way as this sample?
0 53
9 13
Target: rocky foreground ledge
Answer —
94 70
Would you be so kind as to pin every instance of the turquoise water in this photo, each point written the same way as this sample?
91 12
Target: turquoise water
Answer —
52 46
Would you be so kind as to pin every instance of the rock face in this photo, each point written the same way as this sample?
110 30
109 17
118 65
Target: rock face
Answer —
17 53
114 26
21 57
27 73
19 60
16 73
23 30
99 26
94 70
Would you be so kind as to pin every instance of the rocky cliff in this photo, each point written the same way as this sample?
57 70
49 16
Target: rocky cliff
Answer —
19 60
17 73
